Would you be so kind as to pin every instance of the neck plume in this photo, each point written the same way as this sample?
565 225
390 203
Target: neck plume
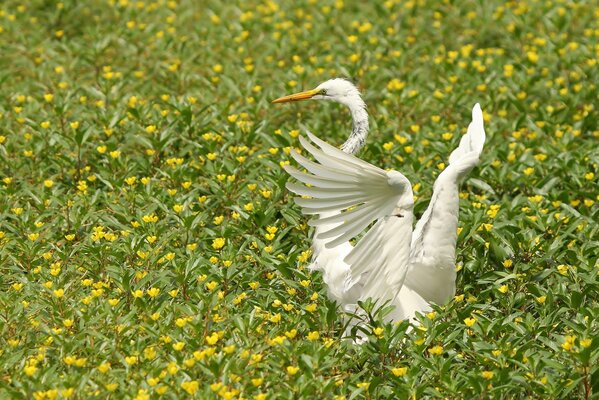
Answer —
359 132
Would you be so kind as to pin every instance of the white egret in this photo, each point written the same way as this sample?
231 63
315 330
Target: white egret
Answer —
390 263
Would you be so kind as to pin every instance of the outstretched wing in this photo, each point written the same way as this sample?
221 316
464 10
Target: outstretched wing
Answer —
432 257
354 194
473 141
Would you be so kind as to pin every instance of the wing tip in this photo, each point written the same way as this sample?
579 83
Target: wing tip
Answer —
294 187
476 111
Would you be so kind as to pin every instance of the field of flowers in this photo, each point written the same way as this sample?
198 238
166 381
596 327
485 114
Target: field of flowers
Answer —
149 248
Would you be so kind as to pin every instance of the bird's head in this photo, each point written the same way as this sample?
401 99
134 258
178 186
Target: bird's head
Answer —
338 89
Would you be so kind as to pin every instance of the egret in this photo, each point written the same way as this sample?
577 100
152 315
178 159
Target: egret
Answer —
390 263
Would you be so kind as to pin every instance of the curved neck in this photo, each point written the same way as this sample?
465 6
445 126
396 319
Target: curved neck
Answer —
359 132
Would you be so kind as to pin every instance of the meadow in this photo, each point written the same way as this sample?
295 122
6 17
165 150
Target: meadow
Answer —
150 250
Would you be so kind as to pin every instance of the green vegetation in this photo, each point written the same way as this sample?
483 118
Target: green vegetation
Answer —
149 248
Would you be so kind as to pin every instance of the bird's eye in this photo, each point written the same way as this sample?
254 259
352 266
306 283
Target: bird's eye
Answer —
323 92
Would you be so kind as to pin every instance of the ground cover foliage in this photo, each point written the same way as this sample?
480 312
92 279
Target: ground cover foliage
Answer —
149 249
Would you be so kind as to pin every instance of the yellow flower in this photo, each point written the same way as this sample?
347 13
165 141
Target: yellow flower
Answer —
567 345
436 350
142 394
269 236
469 322
229 349
562 269
291 370
218 243
311 307
178 346
212 339
487 374
400 371
395 84
191 387
275 319
131 360
30 369
153 292
104 367
532 56
150 218
257 381
59 293
312 336
111 387
503 289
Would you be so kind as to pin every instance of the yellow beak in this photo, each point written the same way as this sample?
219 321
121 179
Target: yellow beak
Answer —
308 94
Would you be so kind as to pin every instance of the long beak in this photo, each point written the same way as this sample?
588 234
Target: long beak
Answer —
308 94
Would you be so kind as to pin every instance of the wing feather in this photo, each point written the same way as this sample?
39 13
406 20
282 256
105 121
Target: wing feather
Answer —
355 194
318 181
320 193
381 264
320 170
332 150
474 139
320 205
432 257
335 162
346 230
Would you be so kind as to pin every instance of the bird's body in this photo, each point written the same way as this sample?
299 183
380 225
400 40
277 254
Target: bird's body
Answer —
391 263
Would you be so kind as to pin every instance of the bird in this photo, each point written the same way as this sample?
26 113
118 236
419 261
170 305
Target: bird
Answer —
392 263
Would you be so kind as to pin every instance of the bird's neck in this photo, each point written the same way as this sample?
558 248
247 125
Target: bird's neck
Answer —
359 132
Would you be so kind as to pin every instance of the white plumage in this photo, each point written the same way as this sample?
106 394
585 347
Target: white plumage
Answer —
390 263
